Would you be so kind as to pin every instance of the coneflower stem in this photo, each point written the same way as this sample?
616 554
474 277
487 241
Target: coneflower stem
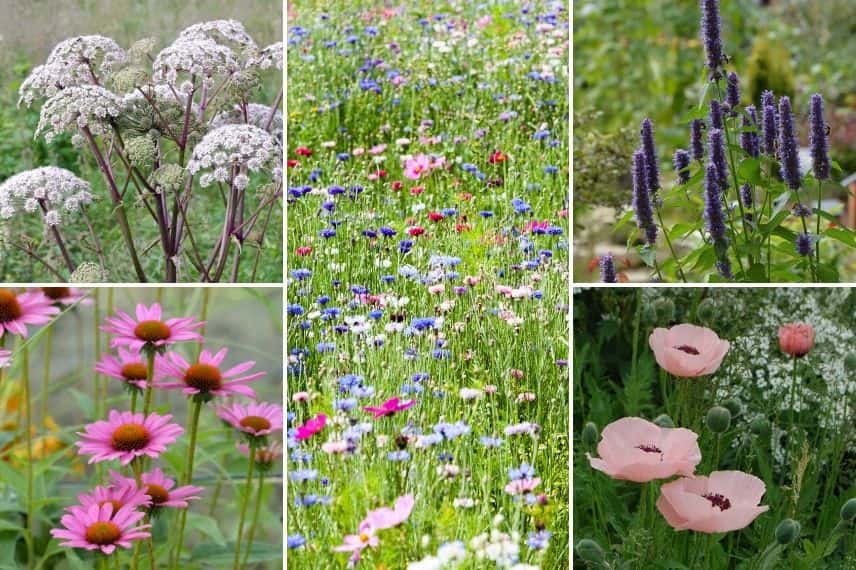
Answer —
255 523
187 476
244 504
28 426
46 378
150 373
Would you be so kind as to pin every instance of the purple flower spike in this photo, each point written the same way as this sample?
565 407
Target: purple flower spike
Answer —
713 204
607 269
804 244
749 141
746 196
716 114
681 160
710 34
788 146
642 199
732 92
770 130
652 173
696 144
818 142
716 148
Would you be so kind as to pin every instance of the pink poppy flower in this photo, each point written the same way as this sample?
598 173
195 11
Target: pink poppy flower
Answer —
257 419
721 502
205 376
522 486
149 330
117 495
796 339
385 517
126 436
637 450
66 295
159 488
417 166
27 308
311 427
390 407
130 367
688 351
99 528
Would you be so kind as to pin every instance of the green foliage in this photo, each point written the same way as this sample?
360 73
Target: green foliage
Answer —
768 68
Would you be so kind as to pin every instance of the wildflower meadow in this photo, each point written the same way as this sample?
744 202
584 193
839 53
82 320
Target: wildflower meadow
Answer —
140 428
427 286
714 428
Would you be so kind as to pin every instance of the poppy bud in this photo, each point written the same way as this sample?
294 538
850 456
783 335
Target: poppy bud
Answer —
850 361
590 434
664 421
733 406
590 551
796 339
788 531
718 419
848 511
760 427
706 310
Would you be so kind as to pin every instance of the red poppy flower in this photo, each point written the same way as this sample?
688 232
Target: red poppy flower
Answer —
416 231
303 151
435 216
303 251
292 163
497 157
396 185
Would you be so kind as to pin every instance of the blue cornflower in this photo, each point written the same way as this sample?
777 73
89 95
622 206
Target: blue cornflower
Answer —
301 274
295 541
539 540
303 475
401 455
520 207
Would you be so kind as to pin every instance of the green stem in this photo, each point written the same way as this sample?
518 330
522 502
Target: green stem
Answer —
28 427
255 523
150 373
46 378
246 501
817 247
187 477
671 249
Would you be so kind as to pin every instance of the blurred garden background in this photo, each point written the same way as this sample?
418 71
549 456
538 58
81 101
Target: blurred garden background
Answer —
635 59
28 32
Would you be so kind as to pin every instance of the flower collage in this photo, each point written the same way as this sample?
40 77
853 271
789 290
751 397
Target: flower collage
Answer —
427 285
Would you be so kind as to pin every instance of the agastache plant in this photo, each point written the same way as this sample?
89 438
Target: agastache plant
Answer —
171 132
740 181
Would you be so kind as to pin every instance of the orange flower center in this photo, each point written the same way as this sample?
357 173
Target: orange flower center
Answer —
364 537
255 423
203 377
103 533
56 293
134 371
157 493
152 331
688 349
116 504
718 500
130 437
10 309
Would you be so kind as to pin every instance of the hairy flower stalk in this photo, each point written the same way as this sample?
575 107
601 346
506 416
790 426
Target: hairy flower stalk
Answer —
642 199
711 35
696 139
652 172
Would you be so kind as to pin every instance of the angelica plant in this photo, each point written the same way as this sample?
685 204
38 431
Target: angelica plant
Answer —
164 128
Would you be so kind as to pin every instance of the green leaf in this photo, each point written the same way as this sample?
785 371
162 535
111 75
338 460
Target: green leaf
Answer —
215 555
207 526
750 171
846 237
648 255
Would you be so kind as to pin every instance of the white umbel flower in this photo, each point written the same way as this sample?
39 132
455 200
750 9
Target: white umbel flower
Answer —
193 55
78 107
217 30
47 187
82 60
271 56
257 115
233 149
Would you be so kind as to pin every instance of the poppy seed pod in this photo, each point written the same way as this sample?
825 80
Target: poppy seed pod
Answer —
718 419
788 531
590 434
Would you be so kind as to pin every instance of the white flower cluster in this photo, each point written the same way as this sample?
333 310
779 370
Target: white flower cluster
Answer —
78 107
271 56
82 60
193 55
229 30
160 94
257 115
232 149
47 186
449 556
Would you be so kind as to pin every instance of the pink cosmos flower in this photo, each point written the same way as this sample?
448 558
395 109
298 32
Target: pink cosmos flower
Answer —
205 376
99 528
417 166
637 450
126 436
385 517
257 419
149 330
390 407
66 295
721 502
311 427
130 367
522 486
355 543
796 339
117 495
27 308
160 489
688 351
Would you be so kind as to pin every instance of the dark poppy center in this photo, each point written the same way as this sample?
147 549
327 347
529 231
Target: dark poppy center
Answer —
688 349
130 437
152 331
134 371
718 500
103 533
157 493
10 308
203 377
649 448
255 423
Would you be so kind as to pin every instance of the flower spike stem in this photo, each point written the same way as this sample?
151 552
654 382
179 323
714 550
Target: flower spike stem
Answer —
255 523
187 477
237 563
817 234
